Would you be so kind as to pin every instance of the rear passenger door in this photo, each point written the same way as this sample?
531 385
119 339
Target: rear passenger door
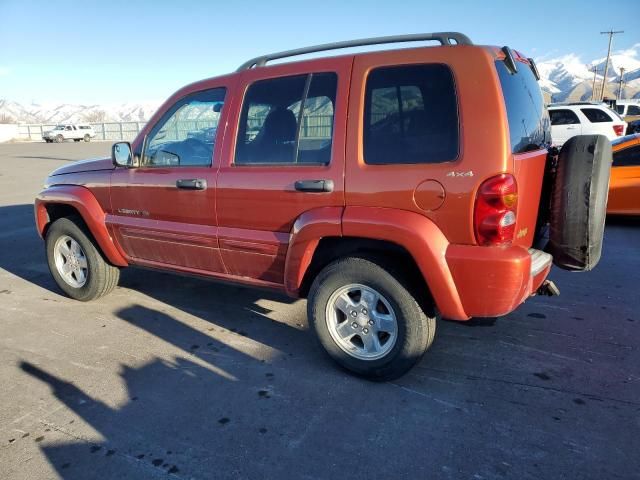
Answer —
564 125
284 158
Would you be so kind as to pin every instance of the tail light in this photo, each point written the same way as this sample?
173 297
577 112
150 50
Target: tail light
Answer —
495 210
619 129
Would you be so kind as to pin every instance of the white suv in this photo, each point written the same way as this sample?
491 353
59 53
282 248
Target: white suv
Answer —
69 131
571 119
629 110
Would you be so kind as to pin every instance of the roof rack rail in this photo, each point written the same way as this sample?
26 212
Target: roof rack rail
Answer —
445 38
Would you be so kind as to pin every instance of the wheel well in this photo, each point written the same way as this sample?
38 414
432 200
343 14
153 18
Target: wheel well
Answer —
56 211
390 254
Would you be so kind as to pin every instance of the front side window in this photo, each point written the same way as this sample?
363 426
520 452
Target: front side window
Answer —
563 117
411 115
629 157
595 115
275 130
185 135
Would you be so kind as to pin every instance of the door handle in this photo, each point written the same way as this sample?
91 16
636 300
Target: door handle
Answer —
314 186
192 184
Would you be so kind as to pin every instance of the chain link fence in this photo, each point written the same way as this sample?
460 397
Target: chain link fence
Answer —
313 126
104 130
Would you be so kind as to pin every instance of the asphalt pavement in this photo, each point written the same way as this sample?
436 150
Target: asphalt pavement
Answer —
176 377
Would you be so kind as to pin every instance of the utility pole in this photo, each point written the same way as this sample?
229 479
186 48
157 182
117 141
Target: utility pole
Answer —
594 69
619 96
611 33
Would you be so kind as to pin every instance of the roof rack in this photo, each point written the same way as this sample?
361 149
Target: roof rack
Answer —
445 38
577 103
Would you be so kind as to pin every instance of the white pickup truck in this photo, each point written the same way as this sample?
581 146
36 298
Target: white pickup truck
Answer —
69 131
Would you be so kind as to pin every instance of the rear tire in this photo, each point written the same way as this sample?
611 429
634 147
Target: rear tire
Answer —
367 319
579 202
76 264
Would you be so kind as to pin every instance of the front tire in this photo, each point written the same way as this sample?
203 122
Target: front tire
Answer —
76 264
368 320
59 139
87 138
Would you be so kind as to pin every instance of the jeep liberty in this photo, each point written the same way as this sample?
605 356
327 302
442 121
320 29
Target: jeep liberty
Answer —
388 188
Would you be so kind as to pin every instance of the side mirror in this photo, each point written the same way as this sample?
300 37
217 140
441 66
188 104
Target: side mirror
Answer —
121 155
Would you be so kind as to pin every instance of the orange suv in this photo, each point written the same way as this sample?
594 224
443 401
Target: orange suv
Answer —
389 188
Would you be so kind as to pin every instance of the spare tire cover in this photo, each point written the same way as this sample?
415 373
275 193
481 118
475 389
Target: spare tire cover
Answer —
579 202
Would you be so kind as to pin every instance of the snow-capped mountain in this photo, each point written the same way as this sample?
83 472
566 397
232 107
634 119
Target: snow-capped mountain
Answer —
568 78
11 111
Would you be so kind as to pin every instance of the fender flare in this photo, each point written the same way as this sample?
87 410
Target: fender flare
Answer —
424 241
89 209
307 231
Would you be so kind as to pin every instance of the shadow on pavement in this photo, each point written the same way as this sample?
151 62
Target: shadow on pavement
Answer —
22 250
188 415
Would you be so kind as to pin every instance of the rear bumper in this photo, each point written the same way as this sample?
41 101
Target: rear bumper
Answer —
493 281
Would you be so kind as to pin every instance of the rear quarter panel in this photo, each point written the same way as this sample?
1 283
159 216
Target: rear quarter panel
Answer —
483 149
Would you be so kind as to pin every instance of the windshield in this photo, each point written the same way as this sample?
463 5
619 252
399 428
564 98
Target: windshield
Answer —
528 119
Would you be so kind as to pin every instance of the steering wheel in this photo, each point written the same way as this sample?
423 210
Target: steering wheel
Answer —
196 147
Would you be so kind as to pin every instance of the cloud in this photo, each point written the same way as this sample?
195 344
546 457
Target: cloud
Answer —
633 51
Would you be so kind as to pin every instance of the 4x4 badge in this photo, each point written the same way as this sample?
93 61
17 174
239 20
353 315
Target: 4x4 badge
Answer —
460 174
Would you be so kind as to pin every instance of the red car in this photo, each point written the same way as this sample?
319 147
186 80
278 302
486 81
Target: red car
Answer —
389 188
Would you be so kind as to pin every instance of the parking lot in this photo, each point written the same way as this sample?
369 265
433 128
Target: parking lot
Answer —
175 377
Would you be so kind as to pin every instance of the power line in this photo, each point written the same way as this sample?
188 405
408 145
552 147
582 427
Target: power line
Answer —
611 33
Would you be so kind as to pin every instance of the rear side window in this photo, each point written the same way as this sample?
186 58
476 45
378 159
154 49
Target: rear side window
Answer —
595 115
563 117
629 157
288 120
410 116
528 120
633 110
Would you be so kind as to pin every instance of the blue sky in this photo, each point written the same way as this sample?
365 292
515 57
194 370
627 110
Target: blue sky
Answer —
114 51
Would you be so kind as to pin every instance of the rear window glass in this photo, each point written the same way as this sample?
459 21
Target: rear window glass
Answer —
528 120
411 115
629 157
595 115
563 117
